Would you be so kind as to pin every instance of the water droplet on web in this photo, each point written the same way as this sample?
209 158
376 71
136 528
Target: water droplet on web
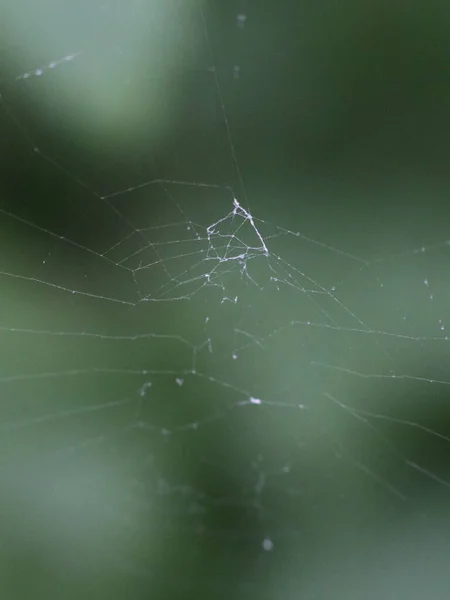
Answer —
144 388
267 544
241 20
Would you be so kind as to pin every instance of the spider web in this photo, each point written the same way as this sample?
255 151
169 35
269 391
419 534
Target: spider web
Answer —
195 395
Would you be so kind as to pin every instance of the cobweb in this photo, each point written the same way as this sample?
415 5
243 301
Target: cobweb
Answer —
225 394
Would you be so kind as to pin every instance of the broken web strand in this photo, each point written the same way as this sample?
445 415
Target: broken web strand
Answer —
222 107
40 71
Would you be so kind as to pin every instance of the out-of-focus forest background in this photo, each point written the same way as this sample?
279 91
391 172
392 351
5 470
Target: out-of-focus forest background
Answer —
201 398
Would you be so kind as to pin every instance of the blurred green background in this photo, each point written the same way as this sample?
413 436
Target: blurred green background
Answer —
184 411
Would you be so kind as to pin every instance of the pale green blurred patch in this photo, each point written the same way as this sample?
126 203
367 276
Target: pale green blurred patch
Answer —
340 343
125 57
